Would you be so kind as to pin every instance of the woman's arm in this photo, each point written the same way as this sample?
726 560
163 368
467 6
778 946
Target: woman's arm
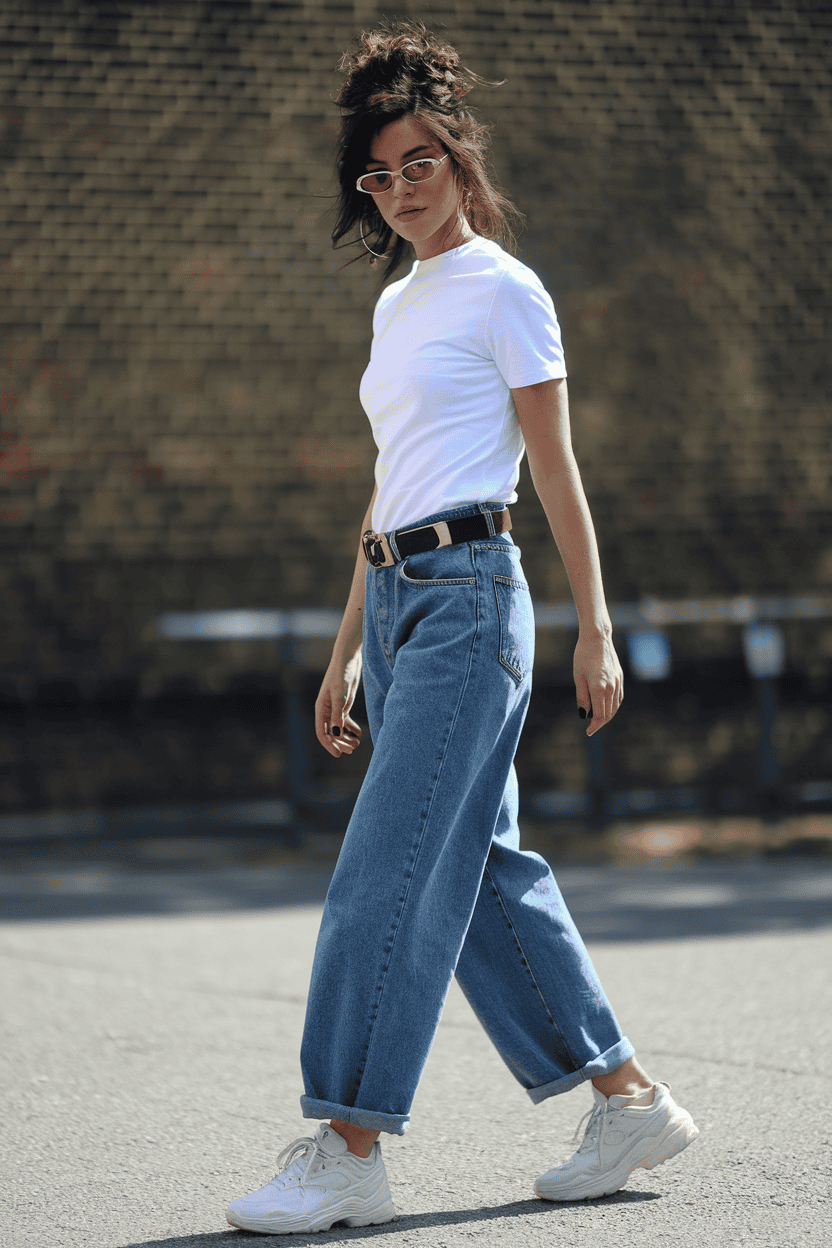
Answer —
348 641
543 412
343 676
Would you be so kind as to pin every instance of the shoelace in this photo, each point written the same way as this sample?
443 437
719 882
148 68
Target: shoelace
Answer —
306 1144
595 1115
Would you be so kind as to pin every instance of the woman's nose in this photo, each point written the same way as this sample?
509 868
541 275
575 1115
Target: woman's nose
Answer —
401 186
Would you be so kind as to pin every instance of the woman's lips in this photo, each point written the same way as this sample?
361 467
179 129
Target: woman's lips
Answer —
409 212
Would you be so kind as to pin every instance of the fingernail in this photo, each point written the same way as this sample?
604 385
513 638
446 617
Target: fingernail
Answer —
336 731
582 712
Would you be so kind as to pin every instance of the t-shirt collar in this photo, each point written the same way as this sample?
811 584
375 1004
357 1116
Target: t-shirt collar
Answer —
422 267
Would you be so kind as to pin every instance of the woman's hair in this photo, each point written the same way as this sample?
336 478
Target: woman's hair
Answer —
398 70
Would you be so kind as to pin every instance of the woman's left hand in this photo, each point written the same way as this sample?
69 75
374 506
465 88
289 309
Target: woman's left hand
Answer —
599 680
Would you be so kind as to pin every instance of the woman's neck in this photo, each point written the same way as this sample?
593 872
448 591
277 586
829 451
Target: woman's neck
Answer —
459 234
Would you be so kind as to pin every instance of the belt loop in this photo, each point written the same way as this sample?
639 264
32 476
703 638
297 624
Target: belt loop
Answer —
489 519
391 541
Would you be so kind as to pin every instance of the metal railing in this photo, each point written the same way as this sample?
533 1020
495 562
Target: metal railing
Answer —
650 659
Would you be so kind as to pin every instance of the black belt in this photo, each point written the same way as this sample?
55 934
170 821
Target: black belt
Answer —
431 537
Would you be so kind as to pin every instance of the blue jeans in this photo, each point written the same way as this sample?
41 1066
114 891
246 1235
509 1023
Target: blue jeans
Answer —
431 881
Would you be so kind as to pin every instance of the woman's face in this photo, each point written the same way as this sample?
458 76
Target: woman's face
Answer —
427 214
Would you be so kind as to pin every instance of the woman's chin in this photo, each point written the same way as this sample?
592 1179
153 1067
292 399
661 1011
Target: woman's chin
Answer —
412 230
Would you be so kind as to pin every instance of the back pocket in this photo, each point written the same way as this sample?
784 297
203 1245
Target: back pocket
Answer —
516 615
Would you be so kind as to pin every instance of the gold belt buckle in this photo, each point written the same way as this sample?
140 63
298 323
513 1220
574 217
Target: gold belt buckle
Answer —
377 549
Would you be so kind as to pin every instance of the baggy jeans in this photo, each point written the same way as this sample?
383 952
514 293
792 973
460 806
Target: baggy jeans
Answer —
431 881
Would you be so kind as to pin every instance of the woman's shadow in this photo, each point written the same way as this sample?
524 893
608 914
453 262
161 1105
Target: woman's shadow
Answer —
405 1222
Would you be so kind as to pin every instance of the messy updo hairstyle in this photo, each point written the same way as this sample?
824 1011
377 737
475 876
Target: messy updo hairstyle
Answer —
398 70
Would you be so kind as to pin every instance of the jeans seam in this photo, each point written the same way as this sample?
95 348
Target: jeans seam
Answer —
527 964
420 842
374 619
515 672
457 580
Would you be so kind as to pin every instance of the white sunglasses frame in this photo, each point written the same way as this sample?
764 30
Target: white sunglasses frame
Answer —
400 173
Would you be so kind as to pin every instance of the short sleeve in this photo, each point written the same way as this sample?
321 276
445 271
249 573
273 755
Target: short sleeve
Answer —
522 331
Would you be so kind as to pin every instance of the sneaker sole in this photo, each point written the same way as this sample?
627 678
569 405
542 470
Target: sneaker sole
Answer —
384 1212
653 1153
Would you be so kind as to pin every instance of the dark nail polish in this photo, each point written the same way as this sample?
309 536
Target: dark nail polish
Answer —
582 712
336 731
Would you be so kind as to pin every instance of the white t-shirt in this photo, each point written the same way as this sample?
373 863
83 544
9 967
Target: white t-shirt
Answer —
450 342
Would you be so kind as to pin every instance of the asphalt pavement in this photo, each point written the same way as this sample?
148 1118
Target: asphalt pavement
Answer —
154 1004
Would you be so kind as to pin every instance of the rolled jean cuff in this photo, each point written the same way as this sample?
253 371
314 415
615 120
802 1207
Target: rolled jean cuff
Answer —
394 1124
604 1064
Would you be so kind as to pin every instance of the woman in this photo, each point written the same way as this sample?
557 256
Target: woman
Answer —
466 372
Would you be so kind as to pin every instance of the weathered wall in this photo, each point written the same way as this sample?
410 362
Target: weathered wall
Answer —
181 348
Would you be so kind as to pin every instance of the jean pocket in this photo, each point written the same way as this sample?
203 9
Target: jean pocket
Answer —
426 569
516 616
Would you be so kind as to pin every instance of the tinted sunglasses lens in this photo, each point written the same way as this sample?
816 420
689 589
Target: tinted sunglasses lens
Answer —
375 183
419 171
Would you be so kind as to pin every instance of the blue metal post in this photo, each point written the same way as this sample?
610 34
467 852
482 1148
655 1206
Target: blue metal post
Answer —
765 654
597 781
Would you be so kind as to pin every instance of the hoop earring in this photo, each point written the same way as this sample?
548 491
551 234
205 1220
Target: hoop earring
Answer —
378 255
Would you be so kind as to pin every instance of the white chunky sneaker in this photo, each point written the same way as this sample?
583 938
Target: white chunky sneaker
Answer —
321 1183
620 1137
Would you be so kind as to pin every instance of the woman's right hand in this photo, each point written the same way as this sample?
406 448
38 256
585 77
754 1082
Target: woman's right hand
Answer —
333 705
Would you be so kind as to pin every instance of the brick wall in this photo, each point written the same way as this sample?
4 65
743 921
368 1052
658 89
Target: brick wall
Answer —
181 348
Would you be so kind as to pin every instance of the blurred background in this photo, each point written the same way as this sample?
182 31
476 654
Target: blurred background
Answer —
184 463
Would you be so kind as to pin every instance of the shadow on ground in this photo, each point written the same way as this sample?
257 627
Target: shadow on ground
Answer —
402 1224
96 879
